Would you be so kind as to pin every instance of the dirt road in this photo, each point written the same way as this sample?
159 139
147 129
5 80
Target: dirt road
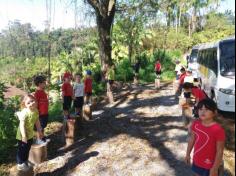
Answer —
142 134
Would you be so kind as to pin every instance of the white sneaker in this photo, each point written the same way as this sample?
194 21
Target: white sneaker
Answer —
40 142
23 167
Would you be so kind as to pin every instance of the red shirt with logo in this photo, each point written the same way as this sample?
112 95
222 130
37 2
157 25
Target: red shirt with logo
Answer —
42 100
198 93
206 139
88 85
67 89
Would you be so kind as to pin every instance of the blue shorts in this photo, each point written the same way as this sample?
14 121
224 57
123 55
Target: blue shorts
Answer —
200 171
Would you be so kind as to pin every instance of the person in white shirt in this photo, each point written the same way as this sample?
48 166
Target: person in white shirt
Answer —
177 69
78 89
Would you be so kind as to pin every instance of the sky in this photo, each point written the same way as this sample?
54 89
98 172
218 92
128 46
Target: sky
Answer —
34 12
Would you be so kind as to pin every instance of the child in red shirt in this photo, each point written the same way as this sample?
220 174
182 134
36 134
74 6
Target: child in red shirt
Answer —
198 94
67 96
42 103
181 80
207 138
88 87
158 68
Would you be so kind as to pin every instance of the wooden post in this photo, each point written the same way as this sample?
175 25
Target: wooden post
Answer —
136 80
69 131
87 112
157 83
94 102
175 86
38 153
15 172
110 97
187 114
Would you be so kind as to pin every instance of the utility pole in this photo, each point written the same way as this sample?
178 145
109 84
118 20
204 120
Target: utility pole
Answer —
76 22
48 25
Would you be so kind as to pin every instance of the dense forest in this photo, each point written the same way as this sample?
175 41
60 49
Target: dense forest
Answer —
126 31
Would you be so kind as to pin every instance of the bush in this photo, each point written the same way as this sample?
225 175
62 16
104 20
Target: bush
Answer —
55 111
167 58
124 71
8 128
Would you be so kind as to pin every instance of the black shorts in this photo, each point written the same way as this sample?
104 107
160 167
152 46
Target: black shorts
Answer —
158 73
88 94
111 82
43 119
67 103
187 94
79 102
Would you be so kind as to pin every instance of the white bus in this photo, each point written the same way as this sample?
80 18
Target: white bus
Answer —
217 72
192 61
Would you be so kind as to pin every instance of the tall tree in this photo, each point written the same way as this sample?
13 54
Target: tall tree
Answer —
105 12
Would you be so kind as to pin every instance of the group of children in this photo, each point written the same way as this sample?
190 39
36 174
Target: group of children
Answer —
207 137
79 93
33 116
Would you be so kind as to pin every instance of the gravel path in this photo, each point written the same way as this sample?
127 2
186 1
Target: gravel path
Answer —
140 135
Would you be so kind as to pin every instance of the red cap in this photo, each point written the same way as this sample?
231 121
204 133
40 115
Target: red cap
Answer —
67 75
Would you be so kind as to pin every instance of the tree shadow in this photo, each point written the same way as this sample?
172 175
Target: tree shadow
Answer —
71 164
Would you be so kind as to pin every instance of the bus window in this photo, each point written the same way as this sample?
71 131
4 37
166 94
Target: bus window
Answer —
193 56
227 58
214 61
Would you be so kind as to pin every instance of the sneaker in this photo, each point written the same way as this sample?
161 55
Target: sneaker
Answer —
45 139
23 167
30 164
40 142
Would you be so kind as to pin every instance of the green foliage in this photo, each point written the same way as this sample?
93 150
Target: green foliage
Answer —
8 127
98 88
2 90
167 58
124 71
55 111
212 35
20 72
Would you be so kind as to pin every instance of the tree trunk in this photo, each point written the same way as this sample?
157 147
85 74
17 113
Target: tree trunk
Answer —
189 27
105 47
176 23
180 15
194 20
105 12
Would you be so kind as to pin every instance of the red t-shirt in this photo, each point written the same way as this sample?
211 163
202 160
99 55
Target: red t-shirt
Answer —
206 139
198 93
42 100
88 85
181 79
158 67
67 89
